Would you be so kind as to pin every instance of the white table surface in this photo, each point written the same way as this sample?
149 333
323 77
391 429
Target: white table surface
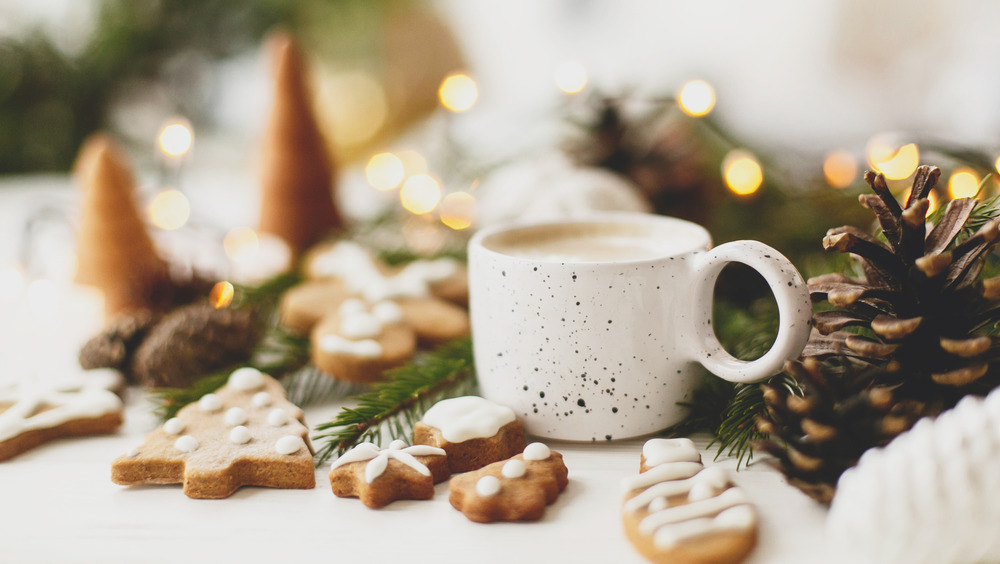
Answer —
58 504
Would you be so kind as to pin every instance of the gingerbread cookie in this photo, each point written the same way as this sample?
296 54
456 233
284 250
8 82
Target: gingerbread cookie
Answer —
380 476
364 317
472 430
34 412
517 489
678 511
244 434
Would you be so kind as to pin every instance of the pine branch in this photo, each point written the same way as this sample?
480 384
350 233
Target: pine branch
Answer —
397 403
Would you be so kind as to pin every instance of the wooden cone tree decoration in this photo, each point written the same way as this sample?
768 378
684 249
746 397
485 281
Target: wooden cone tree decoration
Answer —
297 177
114 251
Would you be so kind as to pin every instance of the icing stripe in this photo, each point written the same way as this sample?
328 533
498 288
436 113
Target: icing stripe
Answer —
660 451
740 517
729 498
714 478
672 471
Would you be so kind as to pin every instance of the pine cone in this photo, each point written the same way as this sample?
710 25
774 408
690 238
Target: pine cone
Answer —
921 304
842 412
194 340
115 345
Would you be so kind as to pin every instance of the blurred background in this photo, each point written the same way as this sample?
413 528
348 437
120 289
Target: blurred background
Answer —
756 119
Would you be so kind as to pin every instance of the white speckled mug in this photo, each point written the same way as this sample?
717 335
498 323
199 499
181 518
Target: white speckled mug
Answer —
590 328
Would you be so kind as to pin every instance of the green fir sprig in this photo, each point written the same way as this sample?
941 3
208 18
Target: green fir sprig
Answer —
397 403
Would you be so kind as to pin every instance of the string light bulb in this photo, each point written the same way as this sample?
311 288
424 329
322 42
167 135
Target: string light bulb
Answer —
742 172
840 169
963 183
222 294
571 77
176 137
458 92
894 163
384 171
420 194
696 98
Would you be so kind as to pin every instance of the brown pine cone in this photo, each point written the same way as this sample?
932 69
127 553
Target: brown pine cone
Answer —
194 340
116 344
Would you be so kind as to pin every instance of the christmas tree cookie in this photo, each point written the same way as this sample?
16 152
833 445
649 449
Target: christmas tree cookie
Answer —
244 434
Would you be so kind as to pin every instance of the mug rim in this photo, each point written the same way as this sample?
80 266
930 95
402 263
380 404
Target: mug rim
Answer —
703 237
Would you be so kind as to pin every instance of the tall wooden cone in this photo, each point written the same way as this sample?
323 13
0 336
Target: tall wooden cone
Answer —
297 177
114 250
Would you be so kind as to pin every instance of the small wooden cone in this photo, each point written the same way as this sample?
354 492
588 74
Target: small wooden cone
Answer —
114 251
297 177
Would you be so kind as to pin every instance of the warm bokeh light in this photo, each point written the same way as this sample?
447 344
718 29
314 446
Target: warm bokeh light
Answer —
361 109
895 164
384 171
963 183
420 194
11 283
42 296
458 210
571 77
413 162
176 137
934 201
222 294
840 169
742 172
240 240
458 92
169 210
696 98
996 165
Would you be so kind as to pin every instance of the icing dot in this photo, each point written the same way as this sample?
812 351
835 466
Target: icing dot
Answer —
210 403
235 416
388 312
488 486
536 451
277 417
246 379
289 444
187 443
351 307
513 468
261 399
173 426
360 326
239 435
132 452
365 348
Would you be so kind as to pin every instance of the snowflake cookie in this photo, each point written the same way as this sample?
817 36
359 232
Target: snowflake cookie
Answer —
34 411
244 434
517 489
676 510
380 476
472 430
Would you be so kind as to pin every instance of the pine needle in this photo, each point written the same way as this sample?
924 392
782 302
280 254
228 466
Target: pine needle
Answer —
396 404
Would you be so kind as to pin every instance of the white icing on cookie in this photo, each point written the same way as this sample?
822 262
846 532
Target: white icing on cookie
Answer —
659 451
261 399
488 486
210 403
239 435
235 416
379 458
711 504
132 452
173 426
246 379
349 262
187 443
537 451
277 417
289 444
366 348
42 404
469 417
513 468
361 325
387 312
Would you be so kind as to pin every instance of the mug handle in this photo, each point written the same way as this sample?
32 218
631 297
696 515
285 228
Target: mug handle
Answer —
790 292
